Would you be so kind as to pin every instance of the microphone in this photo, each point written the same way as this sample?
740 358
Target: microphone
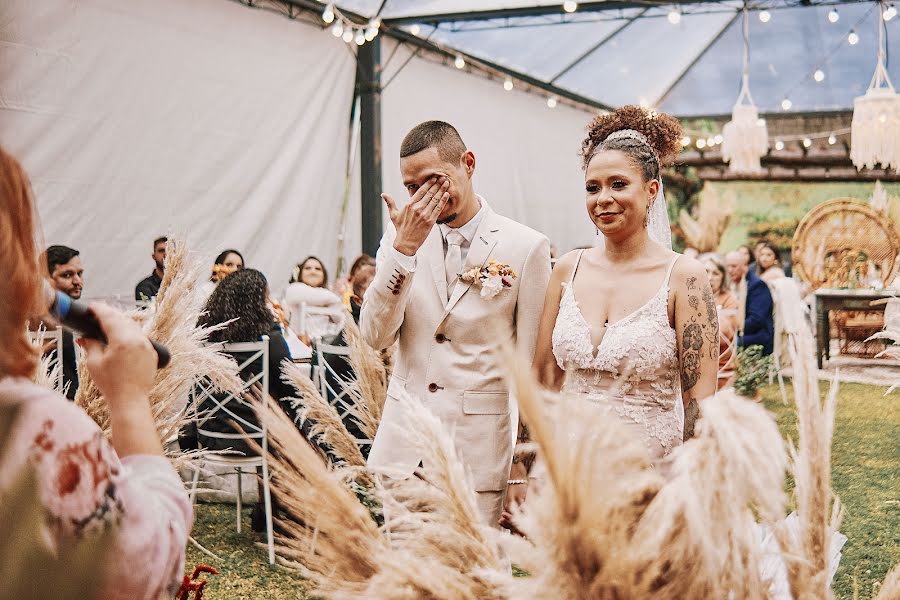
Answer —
77 317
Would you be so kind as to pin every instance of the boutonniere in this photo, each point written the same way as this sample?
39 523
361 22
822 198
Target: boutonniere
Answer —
492 277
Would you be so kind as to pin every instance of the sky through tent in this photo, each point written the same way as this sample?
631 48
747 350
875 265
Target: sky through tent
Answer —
691 67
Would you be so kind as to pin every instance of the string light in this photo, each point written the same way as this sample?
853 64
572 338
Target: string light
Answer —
719 139
890 13
807 142
853 39
674 16
832 140
460 62
786 104
701 143
779 145
710 142
551 102
372 29
508 84
415 29
328 14
337 30
570 6
686 140
765 16
819 75
833 16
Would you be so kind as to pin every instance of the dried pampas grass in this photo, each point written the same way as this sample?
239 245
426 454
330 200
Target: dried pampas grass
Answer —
48 374
173 324
326 426
807 551
325 532
433 544
368 388
607 525
713 215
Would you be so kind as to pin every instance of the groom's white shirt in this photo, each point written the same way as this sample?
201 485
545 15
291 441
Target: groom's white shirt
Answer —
447 353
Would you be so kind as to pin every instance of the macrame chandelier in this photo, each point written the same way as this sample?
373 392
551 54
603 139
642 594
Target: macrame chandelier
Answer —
746 138
875 130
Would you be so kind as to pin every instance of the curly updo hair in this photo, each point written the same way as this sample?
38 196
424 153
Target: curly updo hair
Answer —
663 133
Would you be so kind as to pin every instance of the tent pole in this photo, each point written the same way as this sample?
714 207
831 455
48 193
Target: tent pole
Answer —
368 79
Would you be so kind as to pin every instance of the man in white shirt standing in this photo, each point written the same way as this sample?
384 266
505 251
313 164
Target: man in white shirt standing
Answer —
423 295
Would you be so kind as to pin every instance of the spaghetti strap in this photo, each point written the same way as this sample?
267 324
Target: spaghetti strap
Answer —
671 268
575 268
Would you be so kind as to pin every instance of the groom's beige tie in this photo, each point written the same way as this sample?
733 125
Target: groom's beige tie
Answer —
453 259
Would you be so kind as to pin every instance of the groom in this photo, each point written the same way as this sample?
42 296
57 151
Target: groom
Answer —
450 328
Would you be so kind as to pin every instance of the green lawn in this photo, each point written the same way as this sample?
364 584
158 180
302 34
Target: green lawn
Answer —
866 475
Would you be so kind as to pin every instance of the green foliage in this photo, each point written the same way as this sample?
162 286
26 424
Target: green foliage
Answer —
780 233
752 370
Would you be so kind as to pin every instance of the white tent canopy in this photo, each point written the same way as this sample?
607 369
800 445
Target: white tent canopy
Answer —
230 126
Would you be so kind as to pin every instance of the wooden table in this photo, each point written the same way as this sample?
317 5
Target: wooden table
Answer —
828 300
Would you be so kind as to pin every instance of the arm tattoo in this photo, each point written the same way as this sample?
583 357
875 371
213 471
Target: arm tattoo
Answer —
691 413
691 344
692 283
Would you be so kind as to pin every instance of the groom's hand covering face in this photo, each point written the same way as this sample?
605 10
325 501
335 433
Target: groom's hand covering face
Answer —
414 221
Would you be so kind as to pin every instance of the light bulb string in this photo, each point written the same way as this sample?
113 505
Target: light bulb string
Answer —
827 58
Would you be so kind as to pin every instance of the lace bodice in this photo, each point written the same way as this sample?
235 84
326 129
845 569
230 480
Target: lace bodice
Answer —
634 368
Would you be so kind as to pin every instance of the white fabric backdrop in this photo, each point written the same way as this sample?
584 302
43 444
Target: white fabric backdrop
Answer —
527 165
205 118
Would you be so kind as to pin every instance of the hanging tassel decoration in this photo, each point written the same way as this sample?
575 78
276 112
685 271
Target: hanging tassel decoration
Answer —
746 138
875 129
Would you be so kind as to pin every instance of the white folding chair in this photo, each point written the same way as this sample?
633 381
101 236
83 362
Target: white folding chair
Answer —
791 317
338 394
251 431
316 322
41 337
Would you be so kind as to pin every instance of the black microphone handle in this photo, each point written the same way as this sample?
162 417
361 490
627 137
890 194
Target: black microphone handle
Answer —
80 319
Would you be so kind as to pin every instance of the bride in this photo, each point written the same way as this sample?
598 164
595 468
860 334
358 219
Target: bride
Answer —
629 325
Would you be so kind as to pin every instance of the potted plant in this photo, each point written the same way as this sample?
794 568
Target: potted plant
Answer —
752 371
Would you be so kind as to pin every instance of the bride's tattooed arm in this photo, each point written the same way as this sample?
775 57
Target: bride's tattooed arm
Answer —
697 328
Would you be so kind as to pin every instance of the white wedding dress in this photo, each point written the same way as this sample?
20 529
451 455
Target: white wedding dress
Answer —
634 374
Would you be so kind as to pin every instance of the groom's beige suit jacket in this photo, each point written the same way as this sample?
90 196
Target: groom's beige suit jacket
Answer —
448 347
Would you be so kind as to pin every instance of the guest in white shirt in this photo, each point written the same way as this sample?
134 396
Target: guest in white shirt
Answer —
309 288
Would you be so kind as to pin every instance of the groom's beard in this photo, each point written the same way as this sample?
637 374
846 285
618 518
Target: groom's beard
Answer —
447 219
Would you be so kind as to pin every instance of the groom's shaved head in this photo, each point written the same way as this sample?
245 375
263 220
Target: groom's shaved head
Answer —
434 134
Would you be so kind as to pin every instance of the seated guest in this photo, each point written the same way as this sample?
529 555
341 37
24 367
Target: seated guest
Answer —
361 261
226 263
88 484
727 308
364 276
148 288
67 276
755 316
309 287
240 301
768 263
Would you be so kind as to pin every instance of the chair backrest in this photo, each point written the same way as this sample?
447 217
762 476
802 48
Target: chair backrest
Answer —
311 318
333 385
41 337
220 401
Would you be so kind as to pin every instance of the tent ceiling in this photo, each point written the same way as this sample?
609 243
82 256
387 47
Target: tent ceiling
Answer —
633 53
